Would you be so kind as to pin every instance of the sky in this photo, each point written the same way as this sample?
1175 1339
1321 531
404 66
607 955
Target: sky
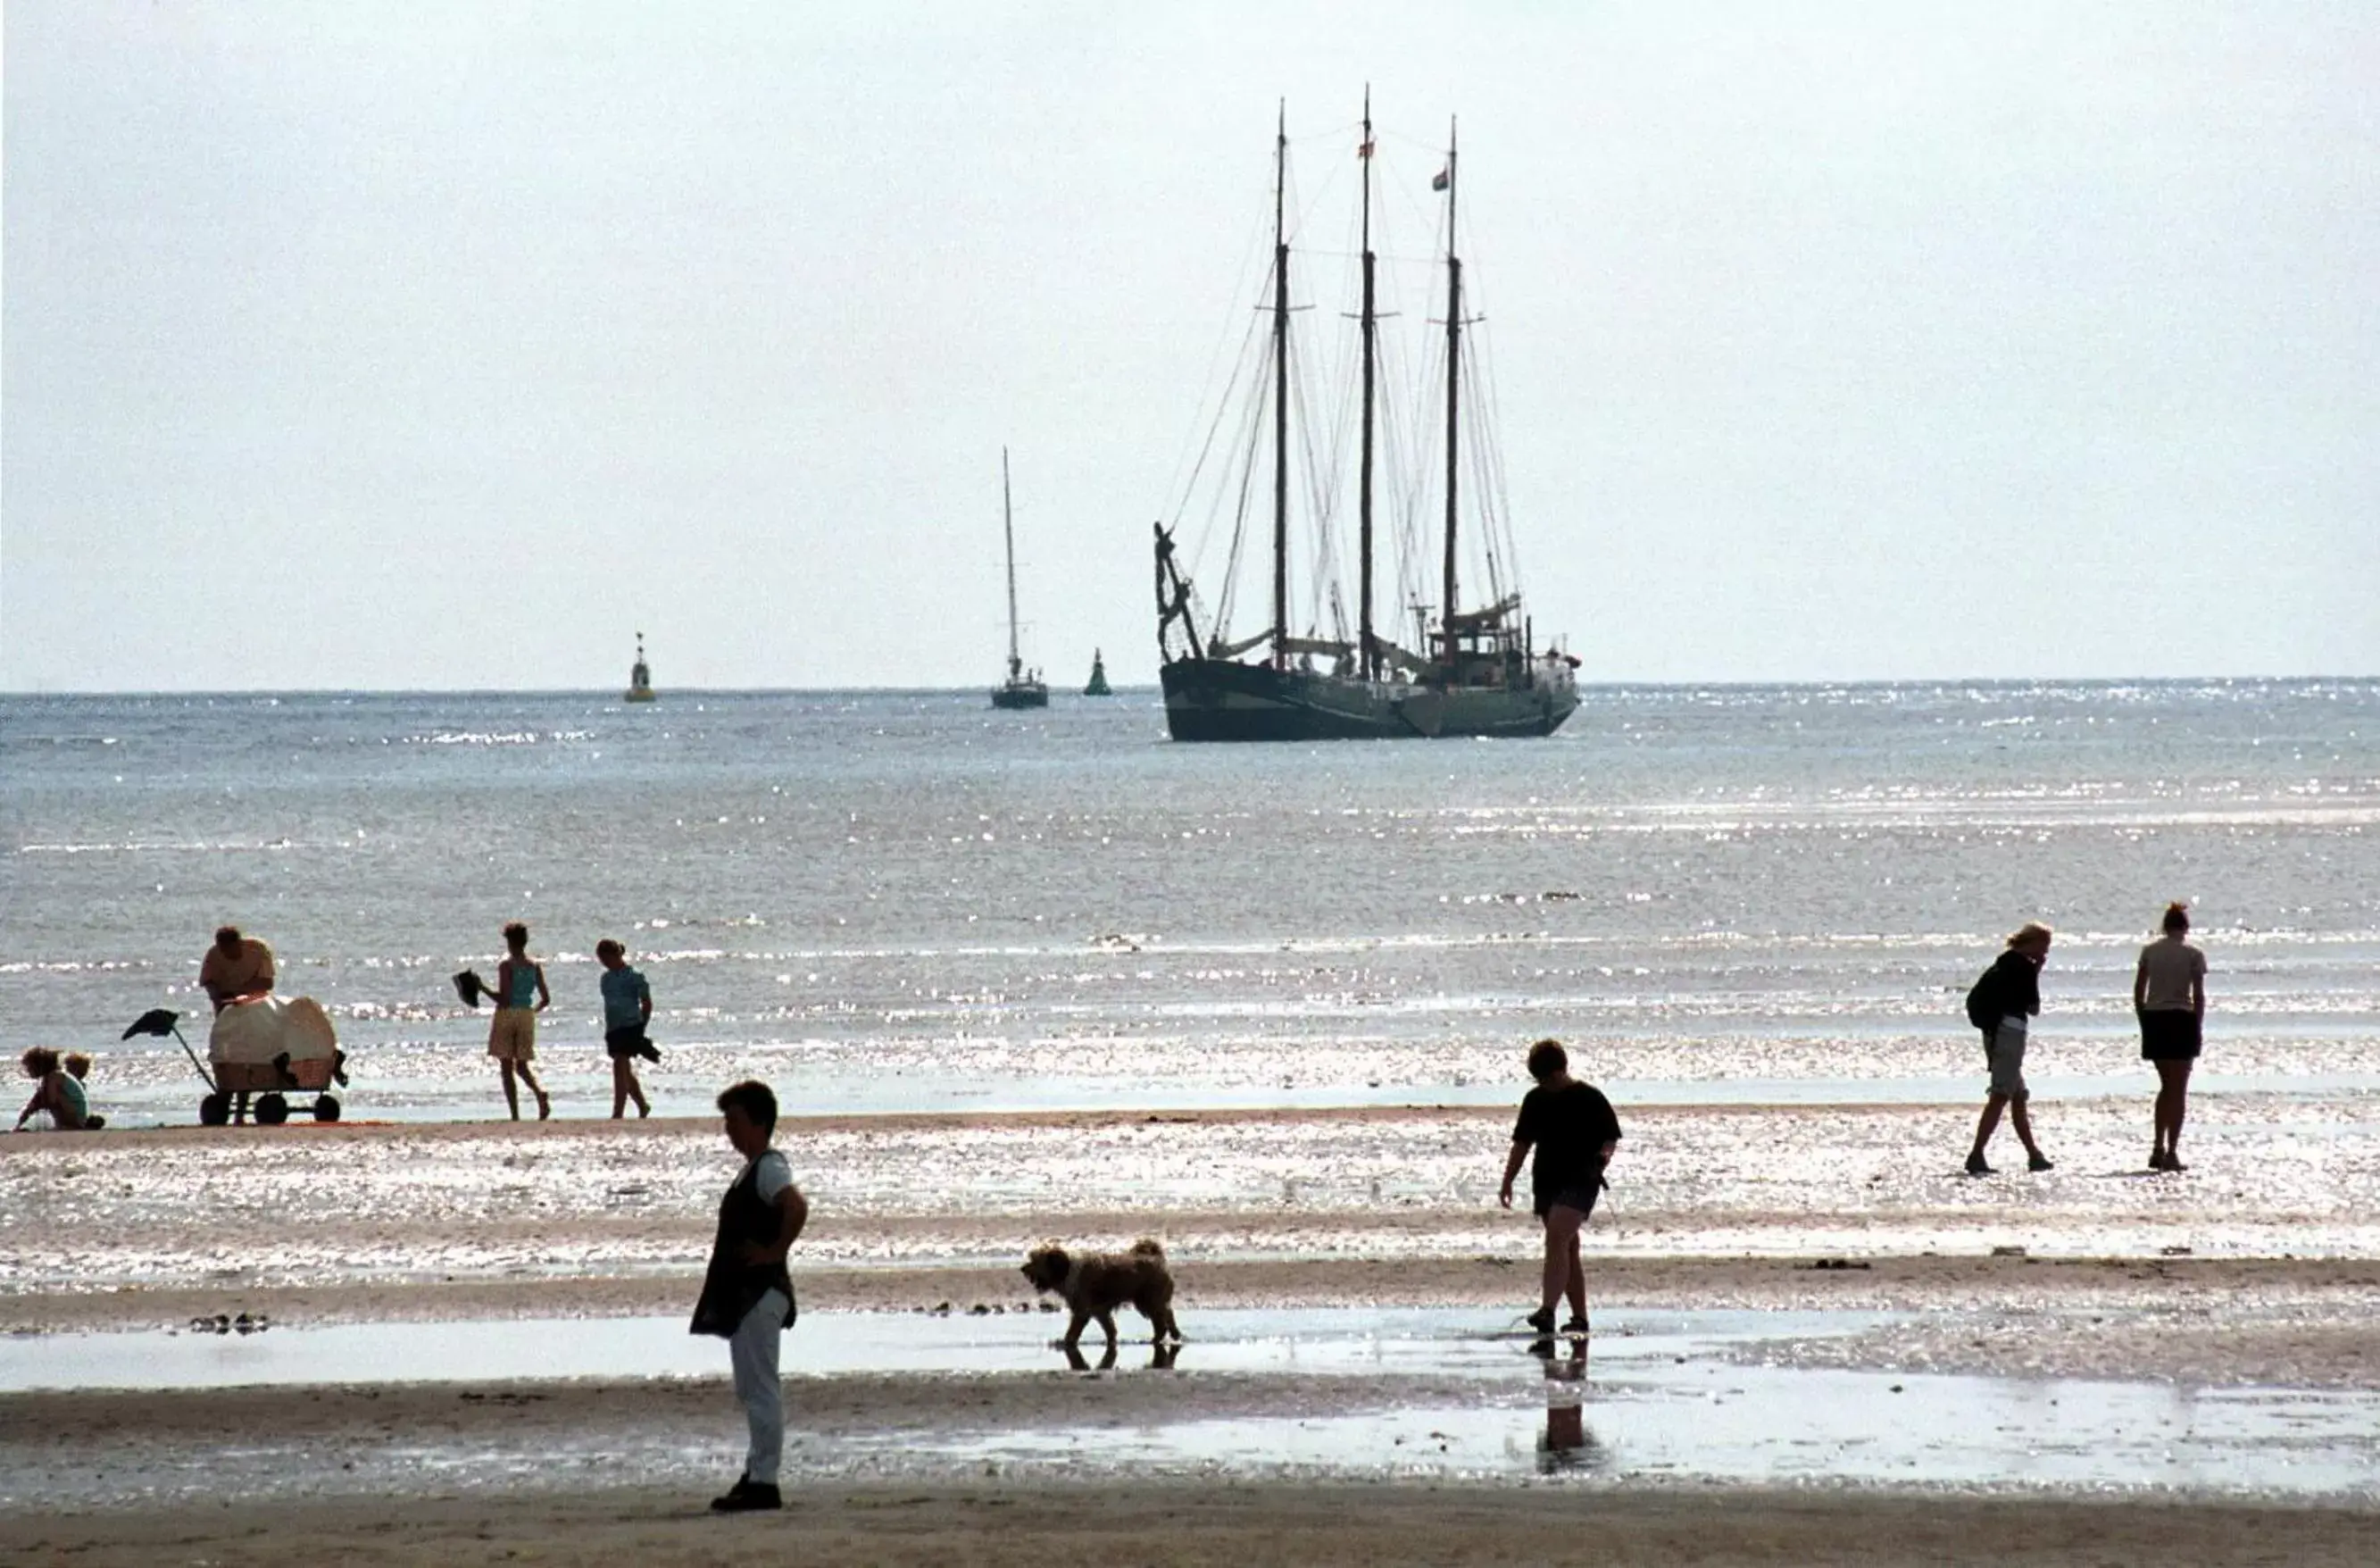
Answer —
448 346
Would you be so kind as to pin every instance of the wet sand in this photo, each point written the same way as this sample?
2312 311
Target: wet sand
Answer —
484 1203
2121 1273
448 1223
912 1467
2119 1276
1166 1525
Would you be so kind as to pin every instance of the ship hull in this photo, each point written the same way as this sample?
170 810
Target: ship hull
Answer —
1216 700
1020 697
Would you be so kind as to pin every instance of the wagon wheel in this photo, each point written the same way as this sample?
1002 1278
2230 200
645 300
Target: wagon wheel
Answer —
326 1108
270 1110
214 1110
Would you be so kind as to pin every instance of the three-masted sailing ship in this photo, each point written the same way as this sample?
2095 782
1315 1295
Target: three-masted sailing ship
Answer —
1469 672
1023 688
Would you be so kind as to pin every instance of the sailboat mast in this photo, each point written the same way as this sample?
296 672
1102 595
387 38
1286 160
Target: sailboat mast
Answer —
1008 532
1453 380
1365 659
1280 396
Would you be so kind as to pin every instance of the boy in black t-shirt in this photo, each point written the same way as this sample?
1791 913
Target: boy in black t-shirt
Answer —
1573 1130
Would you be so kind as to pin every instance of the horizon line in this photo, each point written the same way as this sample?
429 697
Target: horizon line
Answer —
664 693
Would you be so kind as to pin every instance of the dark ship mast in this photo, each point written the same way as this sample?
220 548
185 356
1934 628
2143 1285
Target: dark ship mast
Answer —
1279 397
1453 381
1008 535
1368 657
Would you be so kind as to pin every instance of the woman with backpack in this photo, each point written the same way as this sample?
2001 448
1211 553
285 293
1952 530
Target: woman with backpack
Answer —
2000 1004
2170 997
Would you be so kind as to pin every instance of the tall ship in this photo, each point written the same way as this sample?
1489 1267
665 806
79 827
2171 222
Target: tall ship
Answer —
1313 671
1023 688
640 676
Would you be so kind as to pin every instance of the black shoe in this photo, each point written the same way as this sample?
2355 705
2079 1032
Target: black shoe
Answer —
1576 1326
1542 1321
745 1497
1975 1166
2039 1163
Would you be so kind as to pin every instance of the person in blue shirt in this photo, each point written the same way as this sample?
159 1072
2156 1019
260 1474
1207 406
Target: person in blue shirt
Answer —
627 1008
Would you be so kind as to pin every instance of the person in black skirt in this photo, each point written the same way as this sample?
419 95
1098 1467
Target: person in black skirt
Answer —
1572 1129
2169 996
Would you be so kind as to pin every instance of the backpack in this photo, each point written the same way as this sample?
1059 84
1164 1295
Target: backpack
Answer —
1984 1002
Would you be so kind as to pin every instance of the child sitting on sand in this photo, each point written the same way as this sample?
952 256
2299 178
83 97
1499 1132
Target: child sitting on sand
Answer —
77 1066
59 1093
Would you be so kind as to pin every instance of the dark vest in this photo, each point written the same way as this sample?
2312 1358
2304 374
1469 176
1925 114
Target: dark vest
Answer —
730 1288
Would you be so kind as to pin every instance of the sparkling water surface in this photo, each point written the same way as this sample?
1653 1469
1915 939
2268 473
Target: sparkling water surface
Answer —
904 900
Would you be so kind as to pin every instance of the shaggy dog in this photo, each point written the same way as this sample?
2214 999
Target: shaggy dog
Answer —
1094 1284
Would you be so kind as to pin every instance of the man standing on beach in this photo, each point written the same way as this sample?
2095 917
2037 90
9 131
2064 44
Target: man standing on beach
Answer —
747 1297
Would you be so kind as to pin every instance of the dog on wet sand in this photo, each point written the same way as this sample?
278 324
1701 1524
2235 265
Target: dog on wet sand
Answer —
1093 1284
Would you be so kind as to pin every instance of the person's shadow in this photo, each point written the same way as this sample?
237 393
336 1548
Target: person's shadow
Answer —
1161 1357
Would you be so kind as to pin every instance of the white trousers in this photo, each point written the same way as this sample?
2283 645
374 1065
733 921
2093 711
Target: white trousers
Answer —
752 1352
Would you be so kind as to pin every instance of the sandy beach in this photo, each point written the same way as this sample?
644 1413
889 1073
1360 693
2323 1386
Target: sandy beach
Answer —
2089 1278
1099 1526
1380 1207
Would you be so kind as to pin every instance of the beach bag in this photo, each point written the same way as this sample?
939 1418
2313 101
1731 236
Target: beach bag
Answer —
1984 1002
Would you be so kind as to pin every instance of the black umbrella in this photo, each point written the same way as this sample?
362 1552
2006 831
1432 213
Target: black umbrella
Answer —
161 1021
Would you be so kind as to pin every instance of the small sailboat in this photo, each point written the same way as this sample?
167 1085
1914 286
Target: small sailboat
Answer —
640 676
1098 682
1024 688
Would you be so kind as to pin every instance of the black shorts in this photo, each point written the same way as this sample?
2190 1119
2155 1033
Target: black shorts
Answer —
2169 1036
629 1041
1580 1197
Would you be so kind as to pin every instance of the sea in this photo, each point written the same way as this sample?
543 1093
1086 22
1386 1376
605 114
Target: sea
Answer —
901 901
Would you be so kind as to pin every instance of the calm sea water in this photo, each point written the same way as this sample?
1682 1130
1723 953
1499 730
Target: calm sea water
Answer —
904 899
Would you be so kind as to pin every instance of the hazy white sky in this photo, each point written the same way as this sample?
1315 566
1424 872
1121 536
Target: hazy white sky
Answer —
357 345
